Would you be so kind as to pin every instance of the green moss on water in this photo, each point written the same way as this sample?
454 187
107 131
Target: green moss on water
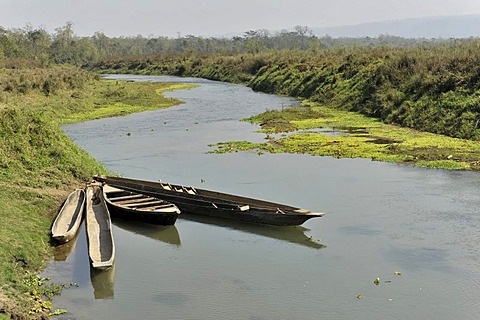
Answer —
351 135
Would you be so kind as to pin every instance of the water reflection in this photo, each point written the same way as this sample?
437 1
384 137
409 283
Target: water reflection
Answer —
170 234
103 282
167 234
290 234
61 252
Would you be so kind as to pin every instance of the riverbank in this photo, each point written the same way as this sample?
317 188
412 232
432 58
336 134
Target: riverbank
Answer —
40 165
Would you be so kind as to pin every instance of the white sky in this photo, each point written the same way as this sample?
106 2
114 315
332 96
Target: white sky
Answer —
215 17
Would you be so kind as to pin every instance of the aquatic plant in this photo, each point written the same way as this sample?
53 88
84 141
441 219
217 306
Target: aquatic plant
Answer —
347 134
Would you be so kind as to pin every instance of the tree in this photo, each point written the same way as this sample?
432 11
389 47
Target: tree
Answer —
39 42
62 49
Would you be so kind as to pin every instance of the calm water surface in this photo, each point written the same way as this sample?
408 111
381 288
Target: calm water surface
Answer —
381 218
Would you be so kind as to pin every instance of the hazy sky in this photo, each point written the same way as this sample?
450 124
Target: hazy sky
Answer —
215 17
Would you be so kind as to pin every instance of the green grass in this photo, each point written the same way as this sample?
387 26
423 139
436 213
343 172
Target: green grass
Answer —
125 98
25 216
356 136
25 248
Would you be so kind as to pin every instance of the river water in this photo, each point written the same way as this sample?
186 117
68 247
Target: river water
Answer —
381 219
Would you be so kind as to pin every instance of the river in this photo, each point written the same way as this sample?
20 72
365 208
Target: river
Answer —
417 230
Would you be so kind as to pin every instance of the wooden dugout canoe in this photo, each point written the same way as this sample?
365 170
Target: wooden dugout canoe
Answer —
69 218
101 248
140 207
216 204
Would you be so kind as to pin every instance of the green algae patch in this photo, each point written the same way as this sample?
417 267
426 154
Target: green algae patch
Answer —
323 131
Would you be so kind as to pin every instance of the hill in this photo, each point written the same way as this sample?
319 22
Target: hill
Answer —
428 27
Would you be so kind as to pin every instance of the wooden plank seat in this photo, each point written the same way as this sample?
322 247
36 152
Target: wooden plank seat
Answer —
130 205
140 200
133 196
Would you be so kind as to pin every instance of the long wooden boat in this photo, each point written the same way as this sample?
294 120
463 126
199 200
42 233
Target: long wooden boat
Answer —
137 206
192 200
68 220
101 247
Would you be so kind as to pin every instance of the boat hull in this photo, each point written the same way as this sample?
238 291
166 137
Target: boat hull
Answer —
69 218
101 247
216 204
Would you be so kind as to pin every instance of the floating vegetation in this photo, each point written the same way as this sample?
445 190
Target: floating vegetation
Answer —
311 238
377 282
41 294
59 312
226 147
359 137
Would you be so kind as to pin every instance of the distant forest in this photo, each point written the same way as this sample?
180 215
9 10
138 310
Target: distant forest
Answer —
38 47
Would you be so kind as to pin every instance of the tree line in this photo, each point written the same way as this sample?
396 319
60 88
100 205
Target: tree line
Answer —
39 47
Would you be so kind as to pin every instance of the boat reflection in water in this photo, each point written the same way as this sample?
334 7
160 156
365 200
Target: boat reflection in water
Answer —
292 234
103 282
62 251
168 234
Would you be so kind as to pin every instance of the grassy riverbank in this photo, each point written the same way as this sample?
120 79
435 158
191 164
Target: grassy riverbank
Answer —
39 165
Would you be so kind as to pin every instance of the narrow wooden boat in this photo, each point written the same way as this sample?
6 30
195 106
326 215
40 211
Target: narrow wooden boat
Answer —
101 247
68 220
192 200
137 206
